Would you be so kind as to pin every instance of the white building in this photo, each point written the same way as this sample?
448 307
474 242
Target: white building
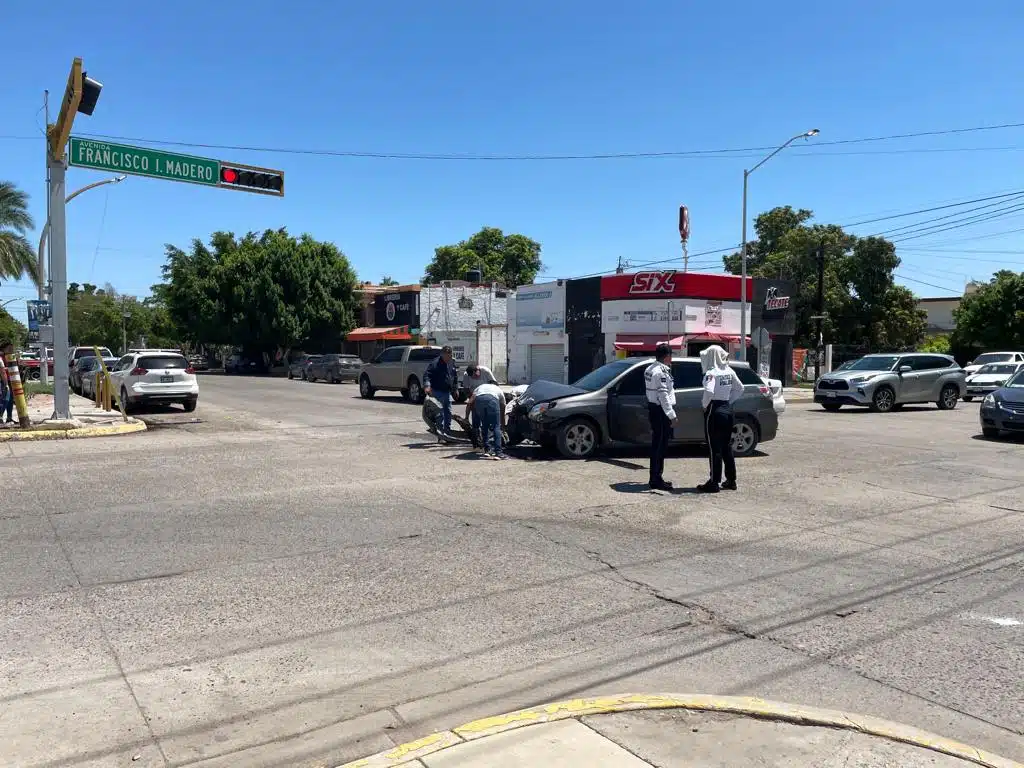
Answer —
472 319
538 344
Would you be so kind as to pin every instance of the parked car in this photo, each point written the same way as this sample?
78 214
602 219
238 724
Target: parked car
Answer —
398 369
888 382
77 353
199 362
993 357
88 388
335 368
157 378
609 406
989 378
240 364
297 367
1003 410
85 367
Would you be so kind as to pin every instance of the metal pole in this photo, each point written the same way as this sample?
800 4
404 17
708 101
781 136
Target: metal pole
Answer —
668 330
59 291
743 275
44 362
818 350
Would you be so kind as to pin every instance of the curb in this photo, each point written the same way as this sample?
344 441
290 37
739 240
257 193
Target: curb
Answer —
738 705
74 433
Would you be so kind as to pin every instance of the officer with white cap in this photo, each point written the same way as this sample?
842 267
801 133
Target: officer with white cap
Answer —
722 387
661 408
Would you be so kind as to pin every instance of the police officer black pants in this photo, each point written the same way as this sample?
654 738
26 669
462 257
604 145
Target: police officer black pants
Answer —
718 422
661 431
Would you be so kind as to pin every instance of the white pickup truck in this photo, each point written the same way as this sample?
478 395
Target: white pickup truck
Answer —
398 369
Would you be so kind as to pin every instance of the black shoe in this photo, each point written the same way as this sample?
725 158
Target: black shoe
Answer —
708 487
729 485
660 485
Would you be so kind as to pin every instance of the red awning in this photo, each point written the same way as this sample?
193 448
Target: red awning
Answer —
399 333
717 338
646 342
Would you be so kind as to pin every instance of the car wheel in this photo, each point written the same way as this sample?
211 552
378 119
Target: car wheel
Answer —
190 404
990 432
365 389
578 439
34 375
290 375
883 400
967 398
948 397
744 437
832 407
123 397
415 390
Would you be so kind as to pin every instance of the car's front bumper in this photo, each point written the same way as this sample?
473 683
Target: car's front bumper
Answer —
995 416
979 391
855 396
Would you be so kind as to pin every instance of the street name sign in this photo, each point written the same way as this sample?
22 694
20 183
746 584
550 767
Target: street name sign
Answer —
138 161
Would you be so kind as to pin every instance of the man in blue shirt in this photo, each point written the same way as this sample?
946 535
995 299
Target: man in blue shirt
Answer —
440 383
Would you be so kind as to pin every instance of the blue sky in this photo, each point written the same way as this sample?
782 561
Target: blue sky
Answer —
529 78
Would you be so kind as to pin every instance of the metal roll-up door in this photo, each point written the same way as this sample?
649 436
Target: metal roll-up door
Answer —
547 362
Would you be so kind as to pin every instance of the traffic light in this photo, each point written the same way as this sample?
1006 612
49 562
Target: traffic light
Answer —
90 94
248 178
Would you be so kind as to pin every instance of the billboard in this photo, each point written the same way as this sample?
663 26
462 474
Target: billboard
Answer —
540 307
39 313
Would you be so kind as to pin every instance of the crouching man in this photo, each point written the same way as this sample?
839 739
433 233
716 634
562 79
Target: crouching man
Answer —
487 404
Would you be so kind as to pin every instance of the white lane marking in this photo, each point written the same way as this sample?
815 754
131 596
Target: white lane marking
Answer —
1002 621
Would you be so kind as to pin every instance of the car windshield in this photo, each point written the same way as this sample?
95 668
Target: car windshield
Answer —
873 363
997 368
1017 380
163 361
604 375
992 357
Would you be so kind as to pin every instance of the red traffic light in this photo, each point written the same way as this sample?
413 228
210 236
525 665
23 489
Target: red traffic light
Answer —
247 178
228 175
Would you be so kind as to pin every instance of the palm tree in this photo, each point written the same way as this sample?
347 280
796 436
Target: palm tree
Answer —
17 256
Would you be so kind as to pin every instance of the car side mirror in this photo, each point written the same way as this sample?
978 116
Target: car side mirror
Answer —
905 369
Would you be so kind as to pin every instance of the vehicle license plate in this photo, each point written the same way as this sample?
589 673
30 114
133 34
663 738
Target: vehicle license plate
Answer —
166 379
831 394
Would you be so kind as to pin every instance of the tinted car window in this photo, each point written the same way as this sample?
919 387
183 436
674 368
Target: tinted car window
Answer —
604 375
392 355
163 361
687 375
87 364
993 357
747 376
419 355
633 382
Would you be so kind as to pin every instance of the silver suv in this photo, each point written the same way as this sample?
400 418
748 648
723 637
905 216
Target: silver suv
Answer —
888 382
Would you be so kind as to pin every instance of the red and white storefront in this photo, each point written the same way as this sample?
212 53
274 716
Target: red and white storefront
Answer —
688 310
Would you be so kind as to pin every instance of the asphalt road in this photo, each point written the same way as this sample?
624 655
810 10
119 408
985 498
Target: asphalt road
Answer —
294 576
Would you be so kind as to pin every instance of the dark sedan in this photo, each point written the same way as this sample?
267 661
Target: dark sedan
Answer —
1002 411
335 368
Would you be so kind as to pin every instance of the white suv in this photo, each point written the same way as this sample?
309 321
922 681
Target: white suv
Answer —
154 376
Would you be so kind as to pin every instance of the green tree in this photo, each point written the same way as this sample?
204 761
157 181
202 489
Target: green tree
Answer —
864 307
511 260
261 293
17 256
12 329
938 344
388 280
991 318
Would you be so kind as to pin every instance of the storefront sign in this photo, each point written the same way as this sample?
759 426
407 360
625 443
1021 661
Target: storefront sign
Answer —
713 314
689 317
652 283
540 307
773 302
391 309
673 284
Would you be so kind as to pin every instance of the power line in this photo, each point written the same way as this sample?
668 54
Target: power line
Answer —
922 282
540 157
935 231
1014 193
948 221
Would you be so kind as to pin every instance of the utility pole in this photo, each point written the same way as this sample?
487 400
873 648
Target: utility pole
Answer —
44 359
819 349
620 268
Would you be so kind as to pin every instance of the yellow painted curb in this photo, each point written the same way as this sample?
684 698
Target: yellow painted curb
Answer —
73 433
738 705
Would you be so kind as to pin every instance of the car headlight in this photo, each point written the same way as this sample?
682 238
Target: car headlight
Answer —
862 379
989 400
541 408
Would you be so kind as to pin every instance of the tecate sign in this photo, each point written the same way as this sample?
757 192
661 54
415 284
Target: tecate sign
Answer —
773 302
653 283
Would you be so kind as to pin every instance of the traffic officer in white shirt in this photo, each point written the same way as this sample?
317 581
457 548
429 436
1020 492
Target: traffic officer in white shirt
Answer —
722 387
661 408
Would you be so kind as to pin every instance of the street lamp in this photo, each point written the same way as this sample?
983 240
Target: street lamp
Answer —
743 247
46 227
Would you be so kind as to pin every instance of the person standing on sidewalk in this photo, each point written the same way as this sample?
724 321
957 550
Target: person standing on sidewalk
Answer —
721 389
6 395
440 383
661 408
487 403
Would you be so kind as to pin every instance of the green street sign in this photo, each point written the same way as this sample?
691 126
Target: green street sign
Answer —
138 161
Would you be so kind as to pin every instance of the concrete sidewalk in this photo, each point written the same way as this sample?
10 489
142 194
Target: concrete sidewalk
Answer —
86 421
634 731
